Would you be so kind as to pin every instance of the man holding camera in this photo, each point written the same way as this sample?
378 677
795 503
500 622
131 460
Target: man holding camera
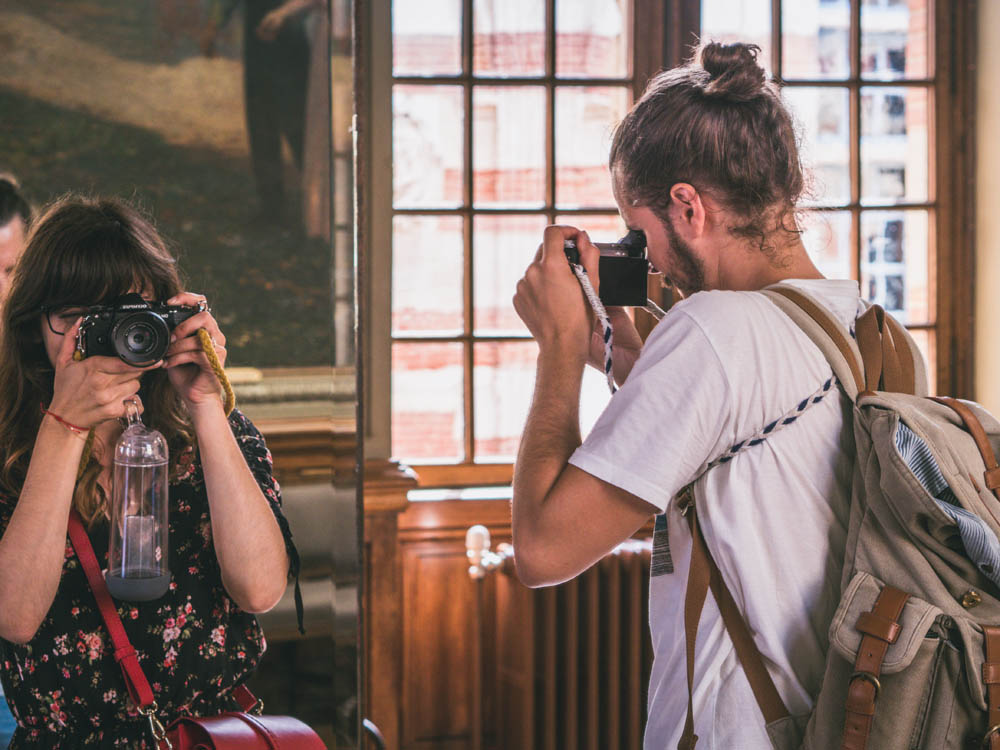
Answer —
706 165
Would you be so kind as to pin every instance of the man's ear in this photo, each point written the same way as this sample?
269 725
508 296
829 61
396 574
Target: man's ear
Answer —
687 211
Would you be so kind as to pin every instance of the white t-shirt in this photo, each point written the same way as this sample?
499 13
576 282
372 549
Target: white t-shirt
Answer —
717 371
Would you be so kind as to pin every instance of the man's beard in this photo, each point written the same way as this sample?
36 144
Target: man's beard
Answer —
688 271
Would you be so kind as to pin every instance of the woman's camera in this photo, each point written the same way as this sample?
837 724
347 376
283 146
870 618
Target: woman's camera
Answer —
136 331
622 269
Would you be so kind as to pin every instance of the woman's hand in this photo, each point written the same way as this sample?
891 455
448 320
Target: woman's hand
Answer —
186 362
95 389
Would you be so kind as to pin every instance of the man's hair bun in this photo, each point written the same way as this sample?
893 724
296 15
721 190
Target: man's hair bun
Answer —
734 73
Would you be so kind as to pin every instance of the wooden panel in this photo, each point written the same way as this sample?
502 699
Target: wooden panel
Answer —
570 722
591 660
611 611
438 601
635 689
515 655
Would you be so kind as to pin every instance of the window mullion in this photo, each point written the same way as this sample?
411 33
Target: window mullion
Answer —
854 115
468 358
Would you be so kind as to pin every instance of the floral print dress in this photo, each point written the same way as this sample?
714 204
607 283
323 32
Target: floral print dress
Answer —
194 643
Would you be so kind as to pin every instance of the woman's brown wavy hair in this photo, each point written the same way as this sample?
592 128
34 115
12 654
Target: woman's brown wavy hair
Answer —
80 252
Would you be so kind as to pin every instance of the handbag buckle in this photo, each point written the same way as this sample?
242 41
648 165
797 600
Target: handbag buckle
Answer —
257 709
156 726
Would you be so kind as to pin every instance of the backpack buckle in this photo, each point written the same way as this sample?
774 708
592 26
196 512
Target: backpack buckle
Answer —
869 677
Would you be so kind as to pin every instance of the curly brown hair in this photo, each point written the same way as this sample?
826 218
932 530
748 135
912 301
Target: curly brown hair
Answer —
717 123
81 251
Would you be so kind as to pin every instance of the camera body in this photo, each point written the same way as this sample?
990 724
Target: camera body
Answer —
132 329
623 269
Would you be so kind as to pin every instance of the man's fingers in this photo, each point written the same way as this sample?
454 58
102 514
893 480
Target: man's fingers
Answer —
554 240
590 256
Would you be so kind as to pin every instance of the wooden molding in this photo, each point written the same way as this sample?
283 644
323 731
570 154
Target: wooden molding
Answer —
310 450
464 475
386 486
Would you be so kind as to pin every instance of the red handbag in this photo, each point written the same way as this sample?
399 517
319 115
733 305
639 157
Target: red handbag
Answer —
233 730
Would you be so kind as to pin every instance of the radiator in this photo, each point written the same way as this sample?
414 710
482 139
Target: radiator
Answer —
572 661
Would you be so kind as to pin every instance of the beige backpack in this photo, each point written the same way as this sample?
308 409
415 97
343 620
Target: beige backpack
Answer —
914 657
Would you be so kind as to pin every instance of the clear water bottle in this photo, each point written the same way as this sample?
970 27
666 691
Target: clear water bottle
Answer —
138 568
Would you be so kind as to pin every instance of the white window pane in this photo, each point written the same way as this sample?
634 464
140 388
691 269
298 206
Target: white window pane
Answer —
427 270
585 122
427 153
426 37
508 37
503 246
895 263
509 146
894 39
815 39
822 114
894 144
592 38
428 423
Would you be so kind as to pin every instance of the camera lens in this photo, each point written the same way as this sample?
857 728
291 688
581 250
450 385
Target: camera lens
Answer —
141 338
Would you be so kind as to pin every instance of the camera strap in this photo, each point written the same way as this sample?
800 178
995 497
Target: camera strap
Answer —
602 316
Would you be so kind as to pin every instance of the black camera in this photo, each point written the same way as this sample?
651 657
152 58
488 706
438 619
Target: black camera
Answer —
132 329
622 269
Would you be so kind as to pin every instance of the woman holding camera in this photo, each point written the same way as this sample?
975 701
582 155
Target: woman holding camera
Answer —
230 549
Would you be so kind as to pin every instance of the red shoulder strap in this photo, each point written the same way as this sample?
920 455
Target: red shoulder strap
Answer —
125 655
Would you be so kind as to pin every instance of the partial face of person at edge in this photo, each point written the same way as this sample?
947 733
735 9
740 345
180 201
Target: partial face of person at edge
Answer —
669 254
12 241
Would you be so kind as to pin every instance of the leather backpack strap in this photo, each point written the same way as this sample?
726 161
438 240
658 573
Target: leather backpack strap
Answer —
869 337
834 333
975 428
991 677
138 686
703 575
880 628
884 355
881 340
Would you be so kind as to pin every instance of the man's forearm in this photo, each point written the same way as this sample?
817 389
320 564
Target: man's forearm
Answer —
551 434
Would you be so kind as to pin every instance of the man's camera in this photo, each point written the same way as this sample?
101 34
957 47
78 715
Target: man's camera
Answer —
622 269
136 331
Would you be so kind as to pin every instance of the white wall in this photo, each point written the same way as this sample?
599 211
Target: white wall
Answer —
987 368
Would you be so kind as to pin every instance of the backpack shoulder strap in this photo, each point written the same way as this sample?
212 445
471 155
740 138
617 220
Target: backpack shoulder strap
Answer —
704 575
884 357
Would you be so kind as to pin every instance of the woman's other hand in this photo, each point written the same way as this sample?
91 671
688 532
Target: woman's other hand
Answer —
187 364
95 389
